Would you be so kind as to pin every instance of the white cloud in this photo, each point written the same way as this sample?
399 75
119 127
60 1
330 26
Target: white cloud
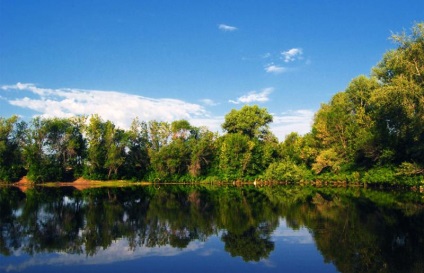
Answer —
299 121
292 54
224 27
254 96
120 108
275 69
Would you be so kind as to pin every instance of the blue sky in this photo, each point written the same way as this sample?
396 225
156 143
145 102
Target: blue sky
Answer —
196 60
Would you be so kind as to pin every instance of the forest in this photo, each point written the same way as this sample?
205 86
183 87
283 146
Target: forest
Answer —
372 132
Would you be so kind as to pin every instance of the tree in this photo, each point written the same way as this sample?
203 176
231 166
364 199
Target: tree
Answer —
64 144
54 149
115 143
137 159
239 156
406 61
327 159
180 129
398 105
96 151
203 152
11 161
291 147
159 134
172 160
251 121
345 125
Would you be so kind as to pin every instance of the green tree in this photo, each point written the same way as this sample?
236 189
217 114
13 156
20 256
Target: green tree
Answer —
251 121
239 156
64 144
137 159
172 160
203 152
398 105
291 148
344 127
115 144
96 150
180 129
42 159
11 161
159 134
54 149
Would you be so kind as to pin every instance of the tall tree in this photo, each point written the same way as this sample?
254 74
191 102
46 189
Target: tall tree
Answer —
344 127
172 160
251 121
180 129
11 161
54 149
115 143
65 144
399 104
137 159
96 150
203 153
240 156
159 134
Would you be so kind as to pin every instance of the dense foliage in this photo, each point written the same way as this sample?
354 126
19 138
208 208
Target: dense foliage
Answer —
371 132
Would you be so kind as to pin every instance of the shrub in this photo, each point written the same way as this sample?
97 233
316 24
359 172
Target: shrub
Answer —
382 175
287 171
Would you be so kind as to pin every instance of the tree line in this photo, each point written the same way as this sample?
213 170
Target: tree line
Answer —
371 132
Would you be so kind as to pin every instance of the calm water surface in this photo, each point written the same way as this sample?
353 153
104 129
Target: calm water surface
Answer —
210 229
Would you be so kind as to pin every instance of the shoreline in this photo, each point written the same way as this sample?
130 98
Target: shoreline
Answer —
82 184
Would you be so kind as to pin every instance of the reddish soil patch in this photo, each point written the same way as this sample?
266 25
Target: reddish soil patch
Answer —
81 181
24 184
24 180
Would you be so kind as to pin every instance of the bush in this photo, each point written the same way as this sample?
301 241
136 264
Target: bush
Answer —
287 171
382 175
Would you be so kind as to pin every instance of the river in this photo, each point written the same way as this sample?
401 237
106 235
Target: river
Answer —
210 229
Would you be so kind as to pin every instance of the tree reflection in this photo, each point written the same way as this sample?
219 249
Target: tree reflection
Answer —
356 229
253 244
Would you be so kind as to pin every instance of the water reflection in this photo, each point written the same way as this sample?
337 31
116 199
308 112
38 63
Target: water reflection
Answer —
356 230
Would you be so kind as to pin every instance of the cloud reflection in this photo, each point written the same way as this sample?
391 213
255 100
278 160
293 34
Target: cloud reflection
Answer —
119 251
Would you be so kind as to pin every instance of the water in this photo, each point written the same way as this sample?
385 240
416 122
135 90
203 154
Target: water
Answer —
210 229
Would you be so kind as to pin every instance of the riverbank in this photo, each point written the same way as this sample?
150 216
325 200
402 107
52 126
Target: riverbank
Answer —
81 184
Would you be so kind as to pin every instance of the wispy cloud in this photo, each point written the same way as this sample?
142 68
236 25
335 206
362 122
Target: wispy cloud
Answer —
292 54
299 121
225 27
254 96
208 102
266 55
121 108
275 69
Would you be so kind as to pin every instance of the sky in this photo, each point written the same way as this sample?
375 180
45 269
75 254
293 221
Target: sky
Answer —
194 60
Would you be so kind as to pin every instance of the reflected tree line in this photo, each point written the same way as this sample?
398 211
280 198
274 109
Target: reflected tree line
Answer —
356 229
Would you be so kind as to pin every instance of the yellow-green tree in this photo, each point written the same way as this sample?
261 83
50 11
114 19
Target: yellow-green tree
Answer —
398 105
